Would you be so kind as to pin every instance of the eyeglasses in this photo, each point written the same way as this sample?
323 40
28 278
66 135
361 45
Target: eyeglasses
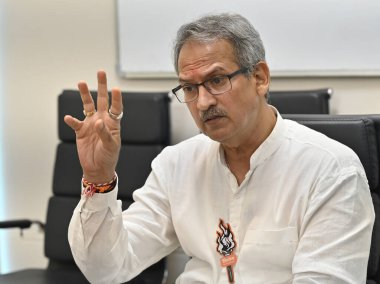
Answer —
217 85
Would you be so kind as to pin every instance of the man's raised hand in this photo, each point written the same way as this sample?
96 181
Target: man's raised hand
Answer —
98 135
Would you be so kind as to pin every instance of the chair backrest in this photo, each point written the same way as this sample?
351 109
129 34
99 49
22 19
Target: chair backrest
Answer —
362 134
301 102
145 132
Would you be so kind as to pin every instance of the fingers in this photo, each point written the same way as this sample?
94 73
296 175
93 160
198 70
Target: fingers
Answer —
88 102
117 102
103 98
102 91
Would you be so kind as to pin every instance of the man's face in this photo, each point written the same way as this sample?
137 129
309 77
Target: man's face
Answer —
227 117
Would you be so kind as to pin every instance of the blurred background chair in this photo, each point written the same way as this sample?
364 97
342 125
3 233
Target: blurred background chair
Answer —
145 132
362 134
301 102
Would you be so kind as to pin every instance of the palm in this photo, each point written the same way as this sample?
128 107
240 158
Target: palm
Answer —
93 153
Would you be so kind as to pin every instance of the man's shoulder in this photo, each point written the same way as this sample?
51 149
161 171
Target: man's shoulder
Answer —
320 146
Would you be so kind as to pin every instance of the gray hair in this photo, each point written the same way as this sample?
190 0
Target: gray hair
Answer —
245 40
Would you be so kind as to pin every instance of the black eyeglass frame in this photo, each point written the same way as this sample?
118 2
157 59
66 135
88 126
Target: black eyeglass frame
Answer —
229 76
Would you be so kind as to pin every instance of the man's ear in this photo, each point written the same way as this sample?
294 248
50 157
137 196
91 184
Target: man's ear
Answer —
262 75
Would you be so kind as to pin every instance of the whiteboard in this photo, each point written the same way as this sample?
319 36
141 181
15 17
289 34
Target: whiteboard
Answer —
301 38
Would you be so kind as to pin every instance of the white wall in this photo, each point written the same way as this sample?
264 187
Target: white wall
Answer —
50 46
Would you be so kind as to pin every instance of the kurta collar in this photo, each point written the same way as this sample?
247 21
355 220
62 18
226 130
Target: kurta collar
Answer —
268 147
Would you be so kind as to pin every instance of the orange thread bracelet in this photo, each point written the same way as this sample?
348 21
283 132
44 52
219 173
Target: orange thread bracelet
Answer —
91 188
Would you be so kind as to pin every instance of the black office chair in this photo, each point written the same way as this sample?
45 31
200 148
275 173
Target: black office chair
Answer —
301 102
362 134
145 132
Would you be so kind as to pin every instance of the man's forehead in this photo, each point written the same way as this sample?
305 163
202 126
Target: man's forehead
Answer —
205 59
204 72
195 53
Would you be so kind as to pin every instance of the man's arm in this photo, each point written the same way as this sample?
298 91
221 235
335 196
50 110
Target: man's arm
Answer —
336 231
111 246
107 246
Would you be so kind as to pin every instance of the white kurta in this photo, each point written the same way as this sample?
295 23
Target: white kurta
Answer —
303 214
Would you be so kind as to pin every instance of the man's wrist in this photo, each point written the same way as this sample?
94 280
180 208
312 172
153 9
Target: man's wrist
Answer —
91 188
99 177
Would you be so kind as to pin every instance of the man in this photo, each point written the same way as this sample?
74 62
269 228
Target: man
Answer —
254 199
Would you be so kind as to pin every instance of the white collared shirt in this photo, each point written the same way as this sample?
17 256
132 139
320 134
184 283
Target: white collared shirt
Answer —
303 214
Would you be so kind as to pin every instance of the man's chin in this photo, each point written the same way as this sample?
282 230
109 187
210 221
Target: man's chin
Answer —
215 130
215 135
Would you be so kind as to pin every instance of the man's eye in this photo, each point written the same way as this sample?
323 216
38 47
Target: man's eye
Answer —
188 88
219 80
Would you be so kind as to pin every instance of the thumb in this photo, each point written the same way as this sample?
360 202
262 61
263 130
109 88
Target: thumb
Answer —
74 123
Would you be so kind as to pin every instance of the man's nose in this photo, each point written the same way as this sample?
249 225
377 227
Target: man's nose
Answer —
205 98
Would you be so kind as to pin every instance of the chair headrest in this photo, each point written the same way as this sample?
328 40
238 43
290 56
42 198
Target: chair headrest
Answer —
301 101
355 131
146 116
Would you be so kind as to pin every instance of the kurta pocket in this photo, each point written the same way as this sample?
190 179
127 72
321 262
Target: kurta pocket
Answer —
269 251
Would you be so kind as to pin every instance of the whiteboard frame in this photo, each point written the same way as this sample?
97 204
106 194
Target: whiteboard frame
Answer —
275 73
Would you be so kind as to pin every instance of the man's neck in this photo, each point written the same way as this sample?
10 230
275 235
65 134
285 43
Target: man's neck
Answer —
237 156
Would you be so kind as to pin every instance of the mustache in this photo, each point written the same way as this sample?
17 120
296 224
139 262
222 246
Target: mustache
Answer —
212 113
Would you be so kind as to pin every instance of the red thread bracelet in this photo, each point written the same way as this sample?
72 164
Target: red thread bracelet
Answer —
91 188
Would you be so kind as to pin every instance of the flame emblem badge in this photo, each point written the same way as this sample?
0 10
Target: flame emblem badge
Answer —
225 246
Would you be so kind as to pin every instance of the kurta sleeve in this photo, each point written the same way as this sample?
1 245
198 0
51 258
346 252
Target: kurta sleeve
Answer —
111 246
336 231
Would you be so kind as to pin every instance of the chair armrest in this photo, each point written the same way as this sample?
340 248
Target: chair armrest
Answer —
21 223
